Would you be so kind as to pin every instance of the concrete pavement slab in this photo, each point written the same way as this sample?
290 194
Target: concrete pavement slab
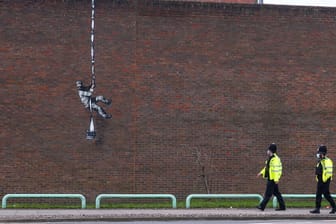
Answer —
39 215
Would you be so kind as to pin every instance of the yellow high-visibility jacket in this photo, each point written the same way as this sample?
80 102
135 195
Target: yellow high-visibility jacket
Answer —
275 169
327 169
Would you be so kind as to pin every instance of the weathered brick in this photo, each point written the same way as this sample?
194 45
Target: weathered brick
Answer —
192 84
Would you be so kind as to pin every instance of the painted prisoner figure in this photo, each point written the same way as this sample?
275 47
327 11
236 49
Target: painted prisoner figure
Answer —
85 95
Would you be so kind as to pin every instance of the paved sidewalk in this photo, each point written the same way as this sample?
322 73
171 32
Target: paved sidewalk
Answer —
34 215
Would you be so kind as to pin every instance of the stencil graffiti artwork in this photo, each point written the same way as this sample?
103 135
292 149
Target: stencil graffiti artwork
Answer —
86 92
90 102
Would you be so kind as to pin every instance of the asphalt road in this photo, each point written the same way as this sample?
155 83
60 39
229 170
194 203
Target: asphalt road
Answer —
201 222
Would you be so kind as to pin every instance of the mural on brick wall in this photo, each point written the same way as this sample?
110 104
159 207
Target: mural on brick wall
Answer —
198 91
90 102
85 92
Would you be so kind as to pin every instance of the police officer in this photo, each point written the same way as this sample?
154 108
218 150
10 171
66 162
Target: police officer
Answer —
323 174
272 172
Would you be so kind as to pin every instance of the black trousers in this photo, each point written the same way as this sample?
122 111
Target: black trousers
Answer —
323 188
272 189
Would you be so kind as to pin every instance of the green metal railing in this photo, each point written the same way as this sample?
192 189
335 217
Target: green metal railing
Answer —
142 196
7 196
300 196
201 196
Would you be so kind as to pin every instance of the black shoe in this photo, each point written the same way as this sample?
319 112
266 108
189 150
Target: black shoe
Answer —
333 211
108 116
315 211
280 209
260 208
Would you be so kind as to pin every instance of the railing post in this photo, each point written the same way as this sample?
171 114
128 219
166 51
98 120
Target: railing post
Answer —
275 202
188 200
4 201
98 198
83 200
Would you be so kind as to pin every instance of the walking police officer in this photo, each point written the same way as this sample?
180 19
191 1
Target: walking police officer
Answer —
272 172
323 174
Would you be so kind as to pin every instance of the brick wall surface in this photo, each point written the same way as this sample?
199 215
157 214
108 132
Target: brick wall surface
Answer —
193 85
223 1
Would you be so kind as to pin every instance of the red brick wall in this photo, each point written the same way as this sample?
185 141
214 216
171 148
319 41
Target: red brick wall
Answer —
218 82
223 1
